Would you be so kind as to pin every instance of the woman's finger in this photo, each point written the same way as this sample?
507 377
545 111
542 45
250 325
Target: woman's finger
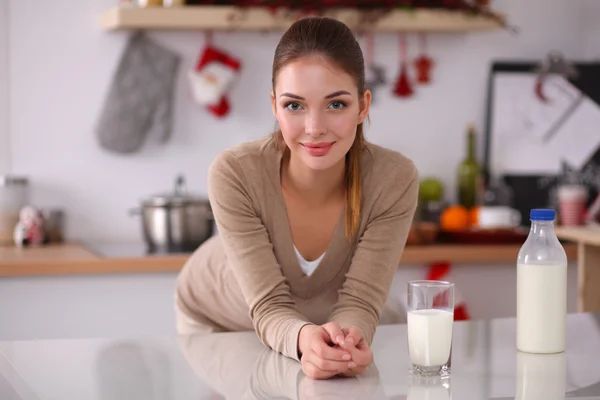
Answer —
327 364
353 335
361 355
335 332
326 352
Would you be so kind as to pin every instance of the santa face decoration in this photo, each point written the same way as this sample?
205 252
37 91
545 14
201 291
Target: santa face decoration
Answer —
211 79
211 83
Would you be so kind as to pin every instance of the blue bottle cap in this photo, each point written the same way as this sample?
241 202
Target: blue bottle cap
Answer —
542 214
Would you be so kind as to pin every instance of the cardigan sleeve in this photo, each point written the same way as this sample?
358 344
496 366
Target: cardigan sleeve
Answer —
375 260
275 317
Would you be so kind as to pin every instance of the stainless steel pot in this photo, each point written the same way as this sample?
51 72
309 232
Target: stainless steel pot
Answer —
176 222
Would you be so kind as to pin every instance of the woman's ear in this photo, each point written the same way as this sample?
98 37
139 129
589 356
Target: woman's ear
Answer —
365 106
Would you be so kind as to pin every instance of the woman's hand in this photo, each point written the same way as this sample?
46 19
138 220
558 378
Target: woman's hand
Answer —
319 356
359 350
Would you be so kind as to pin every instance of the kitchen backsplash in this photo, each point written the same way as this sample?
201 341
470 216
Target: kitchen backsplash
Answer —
61 65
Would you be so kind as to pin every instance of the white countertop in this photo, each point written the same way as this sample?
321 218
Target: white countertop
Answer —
485 365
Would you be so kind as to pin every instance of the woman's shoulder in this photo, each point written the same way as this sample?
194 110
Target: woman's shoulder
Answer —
246 161
255 151
388 176
385 163
251 149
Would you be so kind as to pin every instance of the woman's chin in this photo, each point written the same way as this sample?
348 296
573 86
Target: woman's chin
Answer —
321 163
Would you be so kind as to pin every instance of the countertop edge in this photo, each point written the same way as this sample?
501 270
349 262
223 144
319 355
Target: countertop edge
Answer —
96 264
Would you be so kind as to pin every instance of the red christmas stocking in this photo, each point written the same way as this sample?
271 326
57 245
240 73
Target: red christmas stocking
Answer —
214 74
403 87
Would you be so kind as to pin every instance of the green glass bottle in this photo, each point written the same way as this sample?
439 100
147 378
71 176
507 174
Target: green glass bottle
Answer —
469 174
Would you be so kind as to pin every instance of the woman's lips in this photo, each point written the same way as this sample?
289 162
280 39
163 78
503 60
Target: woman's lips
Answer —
318 149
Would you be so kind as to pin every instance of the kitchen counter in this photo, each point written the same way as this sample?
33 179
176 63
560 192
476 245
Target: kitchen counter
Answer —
110 258
485 365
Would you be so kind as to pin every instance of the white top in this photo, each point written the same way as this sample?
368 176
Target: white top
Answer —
308 266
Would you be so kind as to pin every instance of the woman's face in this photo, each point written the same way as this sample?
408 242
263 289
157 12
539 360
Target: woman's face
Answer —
318 109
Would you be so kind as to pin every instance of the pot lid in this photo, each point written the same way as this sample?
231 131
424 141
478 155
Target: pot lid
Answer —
176 198
12 180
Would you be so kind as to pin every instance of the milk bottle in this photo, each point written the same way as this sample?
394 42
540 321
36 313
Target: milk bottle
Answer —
541 288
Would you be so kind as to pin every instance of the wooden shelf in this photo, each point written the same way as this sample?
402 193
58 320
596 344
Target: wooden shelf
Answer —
261 19
75 259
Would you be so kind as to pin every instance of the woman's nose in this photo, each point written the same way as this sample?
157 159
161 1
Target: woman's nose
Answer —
315 124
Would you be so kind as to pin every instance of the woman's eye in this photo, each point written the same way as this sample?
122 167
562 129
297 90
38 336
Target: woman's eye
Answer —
293 106
337 105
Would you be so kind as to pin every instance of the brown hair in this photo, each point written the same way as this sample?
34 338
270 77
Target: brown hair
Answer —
333 41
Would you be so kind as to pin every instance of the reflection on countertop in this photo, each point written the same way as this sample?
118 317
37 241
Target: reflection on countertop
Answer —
485 365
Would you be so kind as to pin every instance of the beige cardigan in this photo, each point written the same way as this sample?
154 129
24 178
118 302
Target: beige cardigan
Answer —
248 276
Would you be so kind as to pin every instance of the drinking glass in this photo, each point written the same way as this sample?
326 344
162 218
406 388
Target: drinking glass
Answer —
430 319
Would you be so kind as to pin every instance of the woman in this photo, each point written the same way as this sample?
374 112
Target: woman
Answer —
312 220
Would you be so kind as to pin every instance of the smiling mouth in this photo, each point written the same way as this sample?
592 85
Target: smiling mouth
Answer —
319 145
318 149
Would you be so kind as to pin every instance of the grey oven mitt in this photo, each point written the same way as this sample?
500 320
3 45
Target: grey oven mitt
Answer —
140 97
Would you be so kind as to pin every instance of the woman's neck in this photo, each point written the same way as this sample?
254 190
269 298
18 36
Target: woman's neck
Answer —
314 187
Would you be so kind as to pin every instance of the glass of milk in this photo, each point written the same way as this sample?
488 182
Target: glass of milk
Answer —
430 318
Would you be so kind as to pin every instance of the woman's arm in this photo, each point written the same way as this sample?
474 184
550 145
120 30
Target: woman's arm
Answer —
276 319
376 257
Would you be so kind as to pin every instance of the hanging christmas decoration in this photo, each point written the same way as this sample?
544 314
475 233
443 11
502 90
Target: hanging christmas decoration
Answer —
212 77
374 74
403 87
423 63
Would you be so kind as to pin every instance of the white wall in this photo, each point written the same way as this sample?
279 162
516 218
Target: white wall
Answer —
4 140
61 65
592 24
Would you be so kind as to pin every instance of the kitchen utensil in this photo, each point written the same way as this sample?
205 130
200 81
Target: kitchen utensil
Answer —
13 197
175 222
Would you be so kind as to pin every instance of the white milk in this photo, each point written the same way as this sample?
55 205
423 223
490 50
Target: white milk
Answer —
429 336
541 308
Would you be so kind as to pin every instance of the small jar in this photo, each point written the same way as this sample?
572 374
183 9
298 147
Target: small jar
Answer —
13 197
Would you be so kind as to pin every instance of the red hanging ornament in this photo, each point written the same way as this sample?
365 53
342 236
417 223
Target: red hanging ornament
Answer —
403 86
212 77
423 63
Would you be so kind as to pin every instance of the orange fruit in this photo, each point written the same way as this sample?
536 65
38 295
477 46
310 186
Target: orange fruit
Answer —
455 218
